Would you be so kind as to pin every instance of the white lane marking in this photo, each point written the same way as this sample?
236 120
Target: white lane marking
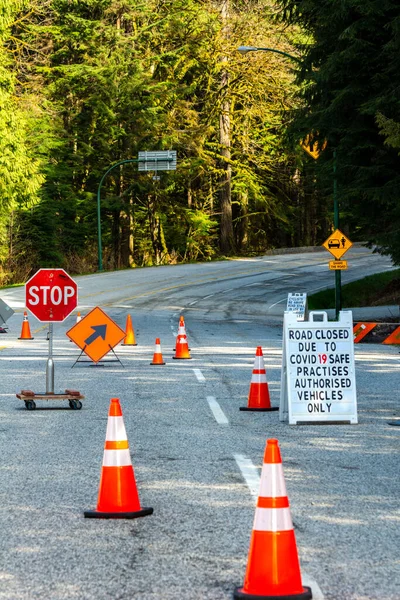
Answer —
217 411
252 478
225 291
195 302
251 284
122 306
210 296
272 305
310 582
199 375
250 474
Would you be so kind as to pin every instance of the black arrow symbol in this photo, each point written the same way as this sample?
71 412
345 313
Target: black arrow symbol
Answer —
99 331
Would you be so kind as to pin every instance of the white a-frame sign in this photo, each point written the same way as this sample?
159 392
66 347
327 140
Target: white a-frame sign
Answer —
318 376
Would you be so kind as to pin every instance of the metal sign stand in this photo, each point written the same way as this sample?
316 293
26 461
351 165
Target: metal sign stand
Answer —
5 313
50 364
98 363
74 397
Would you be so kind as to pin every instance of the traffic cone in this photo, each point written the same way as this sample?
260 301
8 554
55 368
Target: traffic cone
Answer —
182 349
78 318
259 392
181 333
157 357
273 569
129 339
26 330
118 496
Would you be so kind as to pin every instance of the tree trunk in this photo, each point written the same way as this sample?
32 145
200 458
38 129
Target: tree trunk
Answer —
227 244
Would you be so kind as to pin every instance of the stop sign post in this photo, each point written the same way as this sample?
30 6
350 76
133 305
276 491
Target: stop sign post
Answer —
51 295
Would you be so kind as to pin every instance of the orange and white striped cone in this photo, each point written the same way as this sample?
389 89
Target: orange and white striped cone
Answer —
78 318
157 356
25 330
259 392
129 339
181 333
118 496
273 569
182 349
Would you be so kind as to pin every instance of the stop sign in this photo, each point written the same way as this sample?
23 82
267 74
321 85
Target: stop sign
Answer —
51 295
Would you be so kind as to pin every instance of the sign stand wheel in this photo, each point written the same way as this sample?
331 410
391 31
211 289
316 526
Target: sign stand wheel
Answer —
75 404
30 405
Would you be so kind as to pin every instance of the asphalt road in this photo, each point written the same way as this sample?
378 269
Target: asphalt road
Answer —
197 458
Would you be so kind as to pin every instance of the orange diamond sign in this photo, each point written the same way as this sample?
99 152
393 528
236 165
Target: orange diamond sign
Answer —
96 334
337 244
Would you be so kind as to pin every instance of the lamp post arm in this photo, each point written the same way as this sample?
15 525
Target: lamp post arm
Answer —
245 49
280 52
121 162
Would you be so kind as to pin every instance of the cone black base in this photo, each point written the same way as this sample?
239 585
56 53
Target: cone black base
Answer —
156 364
128 344
96 514
181 358
259 409
26 338
306 594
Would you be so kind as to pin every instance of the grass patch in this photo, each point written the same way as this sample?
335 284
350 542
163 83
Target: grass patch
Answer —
374 290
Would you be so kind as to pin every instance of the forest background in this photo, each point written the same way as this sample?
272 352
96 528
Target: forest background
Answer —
87 83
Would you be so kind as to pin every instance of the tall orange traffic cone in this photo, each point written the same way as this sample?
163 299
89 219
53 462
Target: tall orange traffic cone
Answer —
182 348
259 392
181 333
158 357
129 339
273 569
26 330
78 318
118 496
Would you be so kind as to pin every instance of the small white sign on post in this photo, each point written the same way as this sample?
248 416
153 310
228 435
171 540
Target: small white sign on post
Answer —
297 303
318 374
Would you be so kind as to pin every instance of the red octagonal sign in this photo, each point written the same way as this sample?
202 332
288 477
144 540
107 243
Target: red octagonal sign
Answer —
51 295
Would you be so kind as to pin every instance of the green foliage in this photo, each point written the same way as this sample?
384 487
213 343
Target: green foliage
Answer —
350 74
96 81
374 290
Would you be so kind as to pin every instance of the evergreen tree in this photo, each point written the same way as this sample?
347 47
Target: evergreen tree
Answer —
350 74
20 177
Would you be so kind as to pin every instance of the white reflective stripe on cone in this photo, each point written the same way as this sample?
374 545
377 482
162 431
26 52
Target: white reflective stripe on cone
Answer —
259 378
115 430
158 349
272 483
258 363
272 519
116 458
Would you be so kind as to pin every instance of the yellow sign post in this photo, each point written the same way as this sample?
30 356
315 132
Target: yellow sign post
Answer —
337 244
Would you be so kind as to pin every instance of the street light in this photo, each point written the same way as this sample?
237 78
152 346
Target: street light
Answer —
121 162
245 49
338 275
162 160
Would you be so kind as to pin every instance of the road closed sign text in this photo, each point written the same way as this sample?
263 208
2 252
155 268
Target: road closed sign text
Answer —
319 369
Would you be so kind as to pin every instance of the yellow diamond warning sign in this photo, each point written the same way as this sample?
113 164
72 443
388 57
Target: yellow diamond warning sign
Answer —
337 244
96 334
